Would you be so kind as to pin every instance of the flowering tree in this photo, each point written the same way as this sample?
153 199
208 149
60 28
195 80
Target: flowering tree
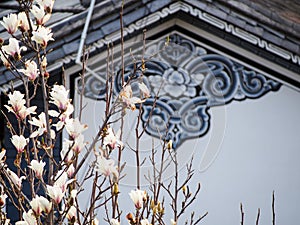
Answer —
54 187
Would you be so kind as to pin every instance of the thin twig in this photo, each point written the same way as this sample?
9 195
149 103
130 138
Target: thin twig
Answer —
273 208
257 217
242 214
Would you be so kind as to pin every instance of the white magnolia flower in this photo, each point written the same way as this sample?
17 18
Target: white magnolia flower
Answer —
145 222
40 15
71 171
61 180
111 140
95 221
74 127
128 99
15 178
74 193
31 70
72 213
46 4
138 197
78 144
24 112
62 116
173 222
2 156
42 36
16 101
21 222
34 204
66 153
40 123
46 205
114 222
56 193
29 217
144 89
59 97
5 221
106 166
4 60
23 22
37 167
19 142
10 23
44 62
17 105
13 49
3 197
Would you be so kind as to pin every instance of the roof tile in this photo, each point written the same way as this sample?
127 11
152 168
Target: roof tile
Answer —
290 46
111 27
156 5
236 21
135 15
272 38
280 19
217 12
254 30
199 4
94 36
54 55
71 47
265 11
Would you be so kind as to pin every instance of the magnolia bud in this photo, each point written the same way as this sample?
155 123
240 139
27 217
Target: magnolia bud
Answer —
115 190
46 75
184 189
152 204
169 145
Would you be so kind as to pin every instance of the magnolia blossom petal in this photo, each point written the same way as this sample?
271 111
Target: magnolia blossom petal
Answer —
40 15
59 97
144 89
40 123
55 193
106 166
16 101
31 70
37 167
145 222
42 36
2 155
74 127
10 23
111 140
19 142
15 178
24 22
53 113
72 213
46 4
114 222
78 144
45 204
3 197
13 49
29 217
62 180
138 197
4 60
35 206
66 153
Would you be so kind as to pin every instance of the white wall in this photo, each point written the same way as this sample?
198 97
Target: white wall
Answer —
258 148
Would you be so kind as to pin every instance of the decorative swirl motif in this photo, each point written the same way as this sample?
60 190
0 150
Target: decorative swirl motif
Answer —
187 81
